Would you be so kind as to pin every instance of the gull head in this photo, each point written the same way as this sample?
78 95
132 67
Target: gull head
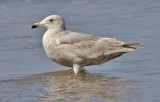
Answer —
53 22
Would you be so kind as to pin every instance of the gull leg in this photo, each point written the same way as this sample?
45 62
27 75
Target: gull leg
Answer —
77 68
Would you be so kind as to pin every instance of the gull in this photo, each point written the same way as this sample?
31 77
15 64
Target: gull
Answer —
77 50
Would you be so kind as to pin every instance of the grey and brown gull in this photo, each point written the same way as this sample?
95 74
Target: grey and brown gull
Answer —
77 50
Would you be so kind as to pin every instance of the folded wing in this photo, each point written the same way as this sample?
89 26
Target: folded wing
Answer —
73 37
94 50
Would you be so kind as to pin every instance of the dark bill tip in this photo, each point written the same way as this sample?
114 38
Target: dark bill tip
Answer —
34 26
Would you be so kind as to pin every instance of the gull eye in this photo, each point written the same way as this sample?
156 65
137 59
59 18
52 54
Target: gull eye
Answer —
51 20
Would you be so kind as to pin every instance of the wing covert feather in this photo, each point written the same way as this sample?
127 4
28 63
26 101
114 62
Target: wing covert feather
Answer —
73 37
93 49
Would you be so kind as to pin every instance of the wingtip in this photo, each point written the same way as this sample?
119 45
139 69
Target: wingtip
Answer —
130 44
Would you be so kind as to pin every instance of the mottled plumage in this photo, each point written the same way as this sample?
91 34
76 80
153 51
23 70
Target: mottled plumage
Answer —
77 50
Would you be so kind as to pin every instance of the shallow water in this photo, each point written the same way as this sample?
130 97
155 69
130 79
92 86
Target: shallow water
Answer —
27 74
64 86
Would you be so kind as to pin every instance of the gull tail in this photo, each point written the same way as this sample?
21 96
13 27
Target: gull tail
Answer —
132 45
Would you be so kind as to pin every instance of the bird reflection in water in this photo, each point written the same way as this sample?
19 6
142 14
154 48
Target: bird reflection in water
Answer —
64 86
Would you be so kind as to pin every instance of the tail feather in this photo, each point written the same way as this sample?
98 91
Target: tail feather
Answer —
132 45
